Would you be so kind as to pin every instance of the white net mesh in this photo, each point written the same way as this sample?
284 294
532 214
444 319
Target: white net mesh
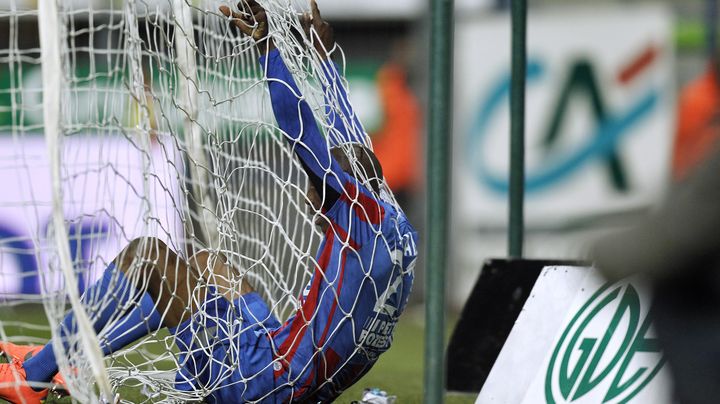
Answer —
170 150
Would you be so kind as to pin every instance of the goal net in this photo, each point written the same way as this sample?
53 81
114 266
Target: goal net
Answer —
163 128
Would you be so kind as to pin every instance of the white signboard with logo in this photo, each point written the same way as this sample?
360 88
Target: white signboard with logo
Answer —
600 107
599 113
580 339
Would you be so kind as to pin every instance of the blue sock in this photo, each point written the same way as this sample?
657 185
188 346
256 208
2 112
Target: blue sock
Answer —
42 367
141 321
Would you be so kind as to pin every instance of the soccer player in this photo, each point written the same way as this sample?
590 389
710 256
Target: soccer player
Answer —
348 310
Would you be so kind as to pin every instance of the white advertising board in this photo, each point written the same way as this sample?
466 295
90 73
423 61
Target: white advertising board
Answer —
580 339
106 200
599 114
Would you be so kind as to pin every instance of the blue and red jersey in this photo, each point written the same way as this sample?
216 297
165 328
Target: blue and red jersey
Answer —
364 270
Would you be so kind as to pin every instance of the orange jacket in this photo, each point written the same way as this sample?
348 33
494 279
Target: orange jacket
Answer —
698 126
397 142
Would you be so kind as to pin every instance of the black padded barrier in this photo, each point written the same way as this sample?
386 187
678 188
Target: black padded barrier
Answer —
488 317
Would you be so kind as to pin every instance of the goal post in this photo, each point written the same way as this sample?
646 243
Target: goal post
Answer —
438 191
50 34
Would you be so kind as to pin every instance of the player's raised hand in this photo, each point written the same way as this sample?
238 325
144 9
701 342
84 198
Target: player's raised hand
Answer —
318 30
251 20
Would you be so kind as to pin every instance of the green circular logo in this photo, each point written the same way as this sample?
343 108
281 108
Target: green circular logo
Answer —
605 350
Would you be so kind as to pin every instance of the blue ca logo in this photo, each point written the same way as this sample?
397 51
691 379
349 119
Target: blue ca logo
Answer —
601 144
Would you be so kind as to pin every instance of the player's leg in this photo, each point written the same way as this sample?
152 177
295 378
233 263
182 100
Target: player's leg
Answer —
174 285
149 286
203 341
167 283
237 371
217 271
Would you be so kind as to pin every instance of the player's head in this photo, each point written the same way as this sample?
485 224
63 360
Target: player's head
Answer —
367 167
356 160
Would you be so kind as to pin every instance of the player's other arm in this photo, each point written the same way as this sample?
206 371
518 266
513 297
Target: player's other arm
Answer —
322 37
292 112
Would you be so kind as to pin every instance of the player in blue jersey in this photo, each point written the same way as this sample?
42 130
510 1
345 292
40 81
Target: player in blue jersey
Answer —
348 310
365 262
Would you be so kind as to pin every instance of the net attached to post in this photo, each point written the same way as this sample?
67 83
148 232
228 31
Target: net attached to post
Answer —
167 137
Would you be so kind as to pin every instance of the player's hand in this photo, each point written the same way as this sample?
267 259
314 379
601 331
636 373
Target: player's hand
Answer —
319 31
252 21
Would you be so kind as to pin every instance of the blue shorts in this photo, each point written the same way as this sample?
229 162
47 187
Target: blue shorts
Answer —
225 351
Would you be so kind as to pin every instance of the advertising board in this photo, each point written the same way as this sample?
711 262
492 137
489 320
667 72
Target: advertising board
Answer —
581 339
599 114
107 201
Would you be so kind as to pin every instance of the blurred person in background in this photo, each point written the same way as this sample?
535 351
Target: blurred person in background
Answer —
698 126
677 247
397 142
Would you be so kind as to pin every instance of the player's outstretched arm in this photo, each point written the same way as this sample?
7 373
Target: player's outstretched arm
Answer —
292 112
322 36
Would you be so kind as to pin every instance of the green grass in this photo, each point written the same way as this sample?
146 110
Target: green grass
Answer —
399 371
